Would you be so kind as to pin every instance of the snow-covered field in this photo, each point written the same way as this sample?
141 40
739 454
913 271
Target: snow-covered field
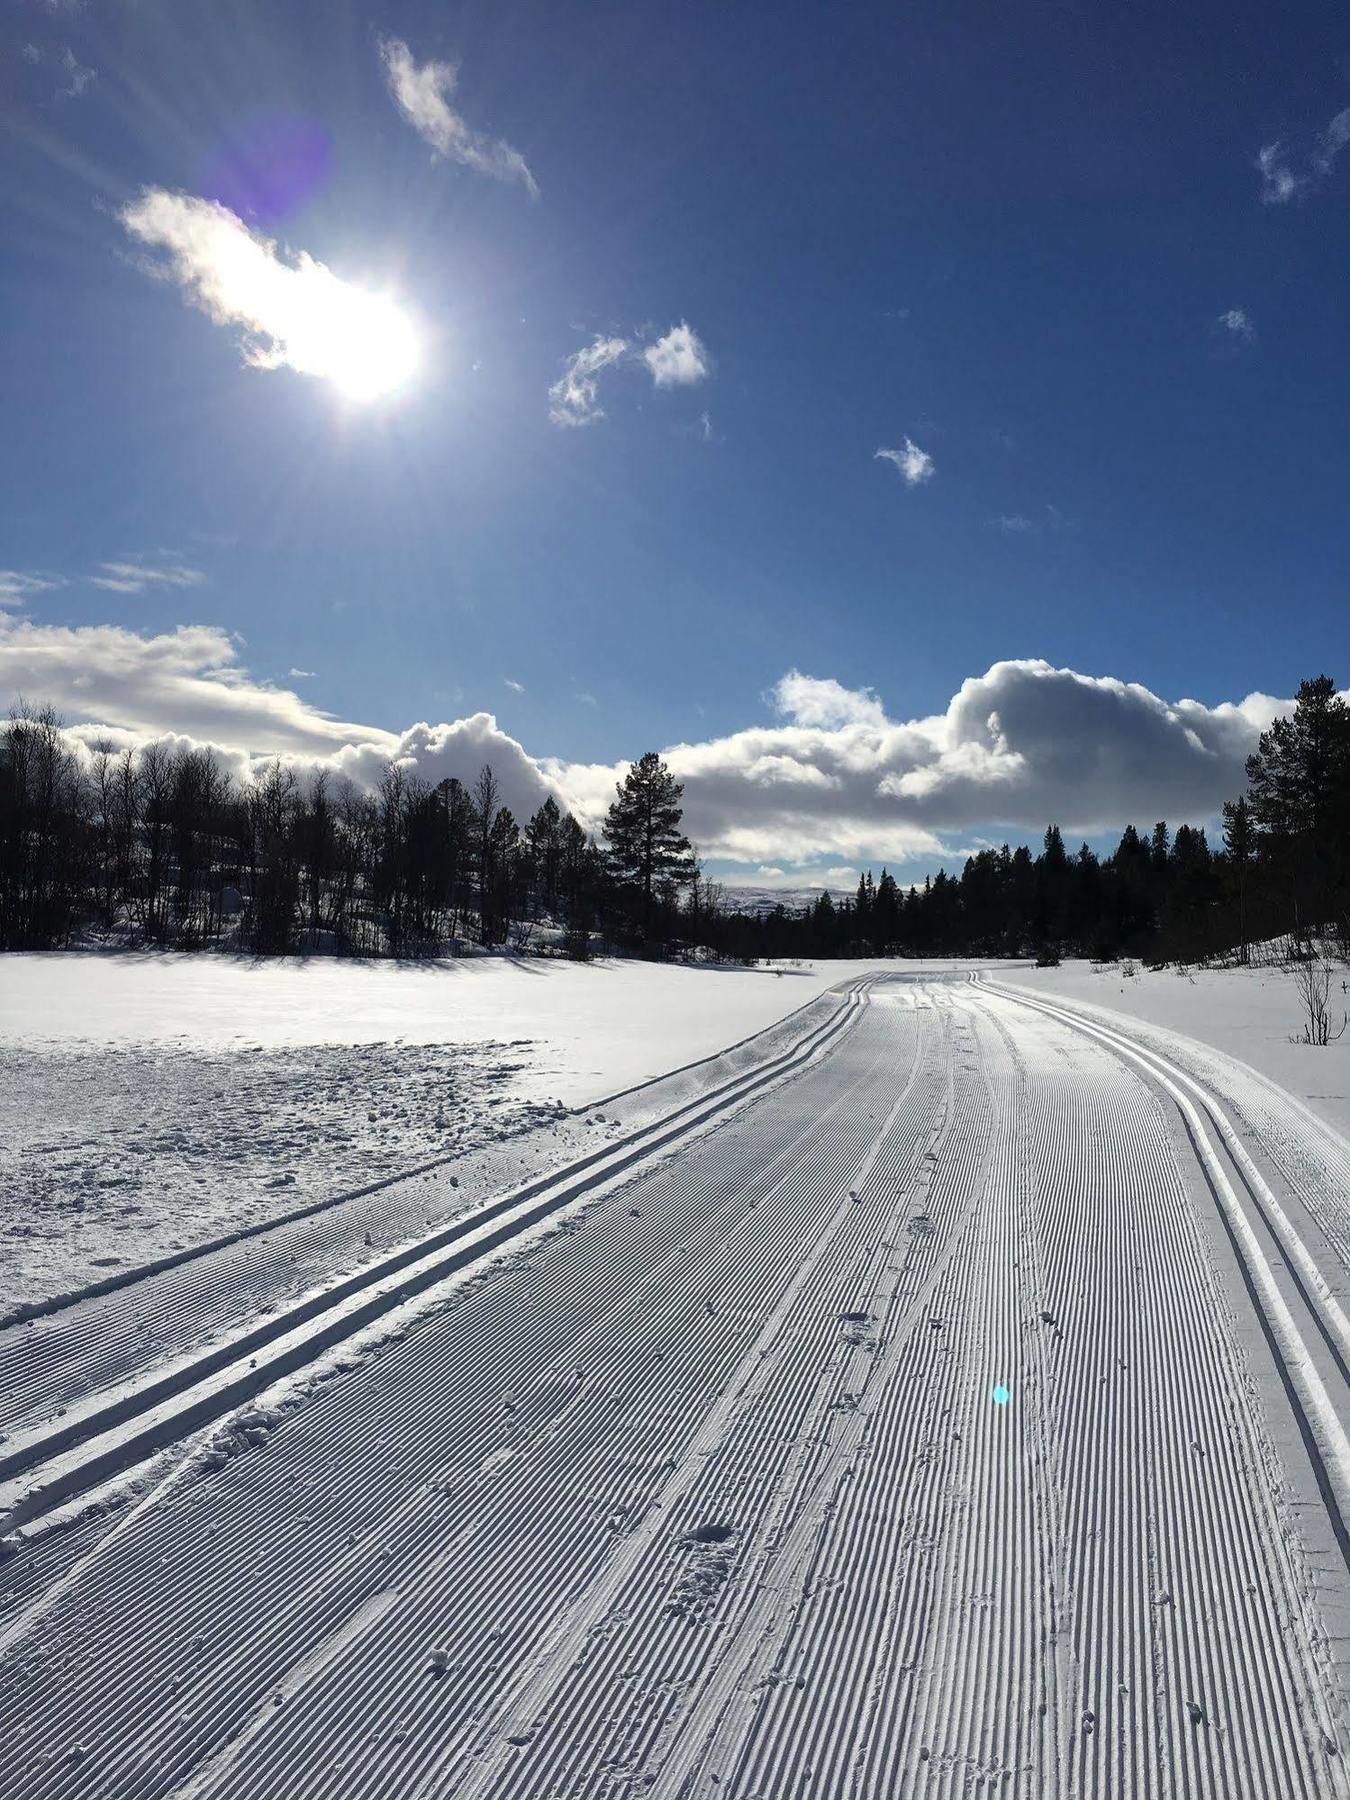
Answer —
150 1103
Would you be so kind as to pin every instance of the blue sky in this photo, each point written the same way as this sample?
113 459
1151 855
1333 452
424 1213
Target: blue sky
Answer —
1033 242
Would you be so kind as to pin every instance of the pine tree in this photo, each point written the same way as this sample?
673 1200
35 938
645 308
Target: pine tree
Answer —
648 853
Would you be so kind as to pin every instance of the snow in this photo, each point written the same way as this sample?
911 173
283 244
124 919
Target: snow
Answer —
1250 1014
593 1027
150 1103
953 1335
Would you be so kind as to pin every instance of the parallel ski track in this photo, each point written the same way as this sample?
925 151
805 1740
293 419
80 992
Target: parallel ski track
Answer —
921 1592
1316 1407
1321 1184
46 1367
623 1299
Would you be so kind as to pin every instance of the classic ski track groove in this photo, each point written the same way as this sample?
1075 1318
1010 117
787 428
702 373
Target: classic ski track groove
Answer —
921 1593
47 1466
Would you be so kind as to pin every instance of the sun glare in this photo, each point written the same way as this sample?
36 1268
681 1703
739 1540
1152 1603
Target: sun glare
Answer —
363 343
294 311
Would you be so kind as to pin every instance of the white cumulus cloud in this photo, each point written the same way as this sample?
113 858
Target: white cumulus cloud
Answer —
678 359
824 702
831 779
422 93
915 465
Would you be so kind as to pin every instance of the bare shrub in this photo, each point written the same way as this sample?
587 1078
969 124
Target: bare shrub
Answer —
1312 980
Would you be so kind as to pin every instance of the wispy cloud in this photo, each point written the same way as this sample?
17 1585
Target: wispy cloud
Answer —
301 674
573 398
1332 141
78 77
18 585
136 577
915 465
1235 330
1282 181
678 359
75 77
297 315
516 687
1047 519
422 93
1279 184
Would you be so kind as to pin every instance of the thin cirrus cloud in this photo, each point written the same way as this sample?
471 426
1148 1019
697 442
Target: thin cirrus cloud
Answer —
422 91
915 465
294 314
136 577
679 359
19 585
828 777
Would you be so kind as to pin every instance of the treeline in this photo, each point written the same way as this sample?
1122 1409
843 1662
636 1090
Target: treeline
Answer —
1282 869
166 847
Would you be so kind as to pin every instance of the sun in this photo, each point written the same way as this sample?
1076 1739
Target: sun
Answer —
366 345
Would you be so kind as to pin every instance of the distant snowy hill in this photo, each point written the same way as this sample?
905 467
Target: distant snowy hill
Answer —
764 900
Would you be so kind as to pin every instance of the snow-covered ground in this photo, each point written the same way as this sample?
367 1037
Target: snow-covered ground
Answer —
1253 1014
929 1414
152 1102
149 1103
